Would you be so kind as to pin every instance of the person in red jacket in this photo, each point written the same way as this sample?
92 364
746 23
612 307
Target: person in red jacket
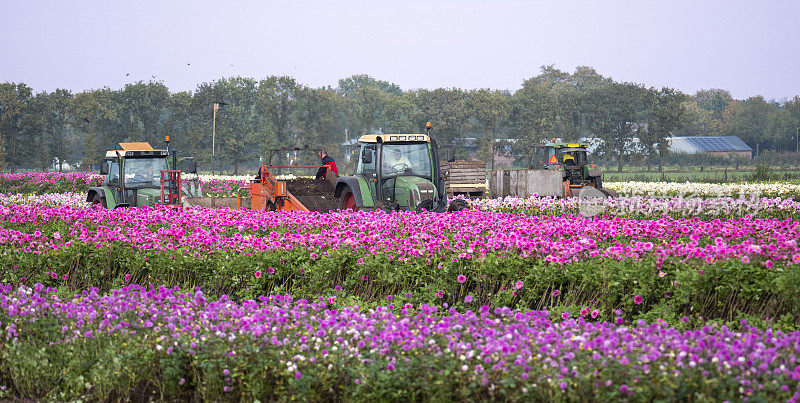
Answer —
322 172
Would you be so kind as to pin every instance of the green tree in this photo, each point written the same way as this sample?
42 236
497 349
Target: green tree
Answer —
96 114
238 123
665 114
14 99
490 110
60 142
445 108
713 100
277 98
749 120
143 110
319 120
353 83
615 110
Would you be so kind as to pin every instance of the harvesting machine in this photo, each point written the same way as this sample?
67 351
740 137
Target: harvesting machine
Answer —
138 175
394 172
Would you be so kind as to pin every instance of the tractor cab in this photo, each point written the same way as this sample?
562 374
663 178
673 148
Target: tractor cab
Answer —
570 158
402 170
396 172
138 175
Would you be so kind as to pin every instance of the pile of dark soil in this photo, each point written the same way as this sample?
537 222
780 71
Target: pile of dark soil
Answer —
316 195
308 186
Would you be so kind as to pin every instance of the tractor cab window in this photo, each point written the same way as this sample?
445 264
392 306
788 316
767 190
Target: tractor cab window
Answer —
550 156
366 168
573 157
113 173
144 171
406 159
540 156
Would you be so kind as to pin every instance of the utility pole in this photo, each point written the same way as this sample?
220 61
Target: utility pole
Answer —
214 135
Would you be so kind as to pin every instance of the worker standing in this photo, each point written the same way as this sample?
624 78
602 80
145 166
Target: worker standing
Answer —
328 161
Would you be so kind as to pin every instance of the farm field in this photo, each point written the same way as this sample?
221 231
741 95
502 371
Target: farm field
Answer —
708 174
671 291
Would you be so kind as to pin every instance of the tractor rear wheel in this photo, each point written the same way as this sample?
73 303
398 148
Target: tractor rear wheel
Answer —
597 182
349 201
99 200
431 206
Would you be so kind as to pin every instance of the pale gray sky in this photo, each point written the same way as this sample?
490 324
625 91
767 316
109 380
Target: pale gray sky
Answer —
747 47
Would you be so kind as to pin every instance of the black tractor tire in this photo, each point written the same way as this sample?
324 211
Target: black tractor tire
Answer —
270 206
425 205
597 182
99 200
432 206
458 205
609 192
386 207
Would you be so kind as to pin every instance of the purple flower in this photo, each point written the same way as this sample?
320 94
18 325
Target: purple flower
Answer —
390 367
565 315
556 293
519 284
462 278
468 299
637 299
258 274
298 375
623 389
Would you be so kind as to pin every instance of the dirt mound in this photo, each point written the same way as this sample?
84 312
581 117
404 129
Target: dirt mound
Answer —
316 195
308 186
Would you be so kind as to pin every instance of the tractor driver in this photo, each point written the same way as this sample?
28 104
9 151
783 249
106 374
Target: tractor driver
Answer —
569 159
395 161
147 170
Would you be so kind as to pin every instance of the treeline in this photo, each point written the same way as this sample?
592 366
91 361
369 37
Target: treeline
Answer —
630 122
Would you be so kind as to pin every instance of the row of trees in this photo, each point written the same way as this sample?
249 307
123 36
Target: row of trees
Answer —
630 122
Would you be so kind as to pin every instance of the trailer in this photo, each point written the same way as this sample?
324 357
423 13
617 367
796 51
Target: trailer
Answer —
465 178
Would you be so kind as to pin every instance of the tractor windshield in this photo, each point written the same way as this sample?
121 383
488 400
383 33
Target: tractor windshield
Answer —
141 172
406 159
573 157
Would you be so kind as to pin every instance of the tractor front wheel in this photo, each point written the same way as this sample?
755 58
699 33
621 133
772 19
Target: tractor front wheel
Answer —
431 206
99 200
349 201
458 205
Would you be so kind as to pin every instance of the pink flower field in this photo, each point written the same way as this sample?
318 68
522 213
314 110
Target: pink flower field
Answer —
646 299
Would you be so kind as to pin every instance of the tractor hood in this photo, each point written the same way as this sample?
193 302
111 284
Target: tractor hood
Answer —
148 197
409 191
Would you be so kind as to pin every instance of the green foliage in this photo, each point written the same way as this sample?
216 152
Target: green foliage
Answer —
278 111
721 290
763 172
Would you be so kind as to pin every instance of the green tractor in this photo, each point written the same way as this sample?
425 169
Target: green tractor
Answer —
137 175
573 162
397 172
